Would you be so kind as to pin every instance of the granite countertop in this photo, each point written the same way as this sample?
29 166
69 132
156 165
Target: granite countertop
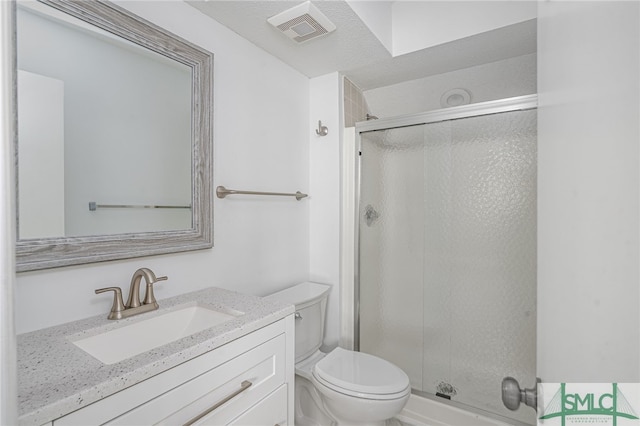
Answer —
55 377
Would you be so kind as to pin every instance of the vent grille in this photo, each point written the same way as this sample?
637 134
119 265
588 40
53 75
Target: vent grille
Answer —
302 23
289 25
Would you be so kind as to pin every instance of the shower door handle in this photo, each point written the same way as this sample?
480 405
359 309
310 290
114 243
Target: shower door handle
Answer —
513 395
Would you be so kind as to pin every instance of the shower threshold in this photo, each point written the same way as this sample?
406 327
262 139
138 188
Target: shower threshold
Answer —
424 409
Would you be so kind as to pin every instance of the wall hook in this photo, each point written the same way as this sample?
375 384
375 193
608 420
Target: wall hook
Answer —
322 130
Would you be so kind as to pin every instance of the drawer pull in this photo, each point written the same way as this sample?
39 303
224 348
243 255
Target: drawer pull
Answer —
243 387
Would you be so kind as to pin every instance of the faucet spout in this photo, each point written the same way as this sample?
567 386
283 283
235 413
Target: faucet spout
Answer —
134 289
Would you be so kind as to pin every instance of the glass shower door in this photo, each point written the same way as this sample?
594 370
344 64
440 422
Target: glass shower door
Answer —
447 255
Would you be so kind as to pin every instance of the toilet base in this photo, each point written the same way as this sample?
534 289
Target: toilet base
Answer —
309 409
361 412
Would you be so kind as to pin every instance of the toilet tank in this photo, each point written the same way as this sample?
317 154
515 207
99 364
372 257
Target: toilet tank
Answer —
310 300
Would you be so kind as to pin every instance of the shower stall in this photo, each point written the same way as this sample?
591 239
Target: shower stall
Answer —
446 250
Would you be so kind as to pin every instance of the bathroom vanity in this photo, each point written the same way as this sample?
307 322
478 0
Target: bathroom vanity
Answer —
239 371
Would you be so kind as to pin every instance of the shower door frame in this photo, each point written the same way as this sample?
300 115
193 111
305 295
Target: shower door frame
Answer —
350 266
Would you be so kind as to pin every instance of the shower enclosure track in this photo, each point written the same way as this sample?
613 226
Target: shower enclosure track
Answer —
453 113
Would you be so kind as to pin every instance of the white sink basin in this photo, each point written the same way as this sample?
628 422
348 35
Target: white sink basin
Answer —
139 337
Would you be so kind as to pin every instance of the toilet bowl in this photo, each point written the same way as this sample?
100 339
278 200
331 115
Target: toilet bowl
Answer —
359 388
341 387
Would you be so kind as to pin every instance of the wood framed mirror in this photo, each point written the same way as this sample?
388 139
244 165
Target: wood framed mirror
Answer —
113 136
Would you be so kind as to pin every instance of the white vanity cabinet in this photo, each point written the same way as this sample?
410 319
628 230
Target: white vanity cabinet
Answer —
248 381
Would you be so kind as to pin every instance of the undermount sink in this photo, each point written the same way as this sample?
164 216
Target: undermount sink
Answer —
139 337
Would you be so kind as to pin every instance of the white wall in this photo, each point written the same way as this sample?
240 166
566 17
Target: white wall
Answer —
41 171
422 24
496 80
8 375
261 137
588 190
324 186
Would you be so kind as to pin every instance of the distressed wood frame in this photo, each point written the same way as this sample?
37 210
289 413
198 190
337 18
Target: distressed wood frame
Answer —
35 254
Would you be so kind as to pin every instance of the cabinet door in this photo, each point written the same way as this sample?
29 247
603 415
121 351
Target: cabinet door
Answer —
225 390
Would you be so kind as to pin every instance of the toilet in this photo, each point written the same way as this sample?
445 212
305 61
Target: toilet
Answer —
340 387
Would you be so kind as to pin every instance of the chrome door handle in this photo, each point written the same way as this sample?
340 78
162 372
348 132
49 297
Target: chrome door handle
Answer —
513 395
243 387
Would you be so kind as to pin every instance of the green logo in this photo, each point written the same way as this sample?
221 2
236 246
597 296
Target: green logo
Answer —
587 405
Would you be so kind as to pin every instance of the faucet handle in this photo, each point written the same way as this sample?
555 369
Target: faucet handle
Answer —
118 306
149 298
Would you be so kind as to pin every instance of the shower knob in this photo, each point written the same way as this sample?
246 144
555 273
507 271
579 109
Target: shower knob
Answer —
512 395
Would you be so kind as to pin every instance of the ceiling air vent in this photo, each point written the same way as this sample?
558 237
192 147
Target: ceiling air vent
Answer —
302 23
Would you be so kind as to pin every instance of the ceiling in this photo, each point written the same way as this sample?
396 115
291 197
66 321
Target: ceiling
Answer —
355 51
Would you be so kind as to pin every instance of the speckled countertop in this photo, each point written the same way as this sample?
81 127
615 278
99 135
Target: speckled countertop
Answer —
55 377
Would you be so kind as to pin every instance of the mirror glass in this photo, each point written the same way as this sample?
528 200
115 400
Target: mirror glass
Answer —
113 137
104 130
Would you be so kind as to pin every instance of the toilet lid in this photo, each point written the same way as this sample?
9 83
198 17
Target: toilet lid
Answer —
360 372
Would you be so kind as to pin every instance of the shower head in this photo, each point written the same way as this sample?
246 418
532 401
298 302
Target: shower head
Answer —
371 117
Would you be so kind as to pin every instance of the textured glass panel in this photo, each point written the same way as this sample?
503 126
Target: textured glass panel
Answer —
391 247
438 265
468 190
480 257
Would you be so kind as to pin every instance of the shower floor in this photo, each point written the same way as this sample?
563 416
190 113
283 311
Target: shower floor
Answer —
397 422
421 411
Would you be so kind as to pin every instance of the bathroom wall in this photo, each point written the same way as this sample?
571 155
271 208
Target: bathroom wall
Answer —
324 202
588 191
496 80
8 374
261 142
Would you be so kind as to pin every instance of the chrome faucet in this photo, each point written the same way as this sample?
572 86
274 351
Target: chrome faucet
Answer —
133 307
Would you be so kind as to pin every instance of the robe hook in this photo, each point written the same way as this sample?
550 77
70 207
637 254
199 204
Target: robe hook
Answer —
322 130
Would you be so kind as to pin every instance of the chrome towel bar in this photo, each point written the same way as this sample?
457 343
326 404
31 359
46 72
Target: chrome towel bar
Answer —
222 192
93 206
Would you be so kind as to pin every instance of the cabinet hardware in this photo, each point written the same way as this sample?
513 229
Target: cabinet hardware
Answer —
243 387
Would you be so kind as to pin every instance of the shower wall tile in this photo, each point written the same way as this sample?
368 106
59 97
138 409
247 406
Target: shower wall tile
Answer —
355 105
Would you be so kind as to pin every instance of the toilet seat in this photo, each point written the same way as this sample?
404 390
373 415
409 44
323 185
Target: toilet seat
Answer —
361 375
305 367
